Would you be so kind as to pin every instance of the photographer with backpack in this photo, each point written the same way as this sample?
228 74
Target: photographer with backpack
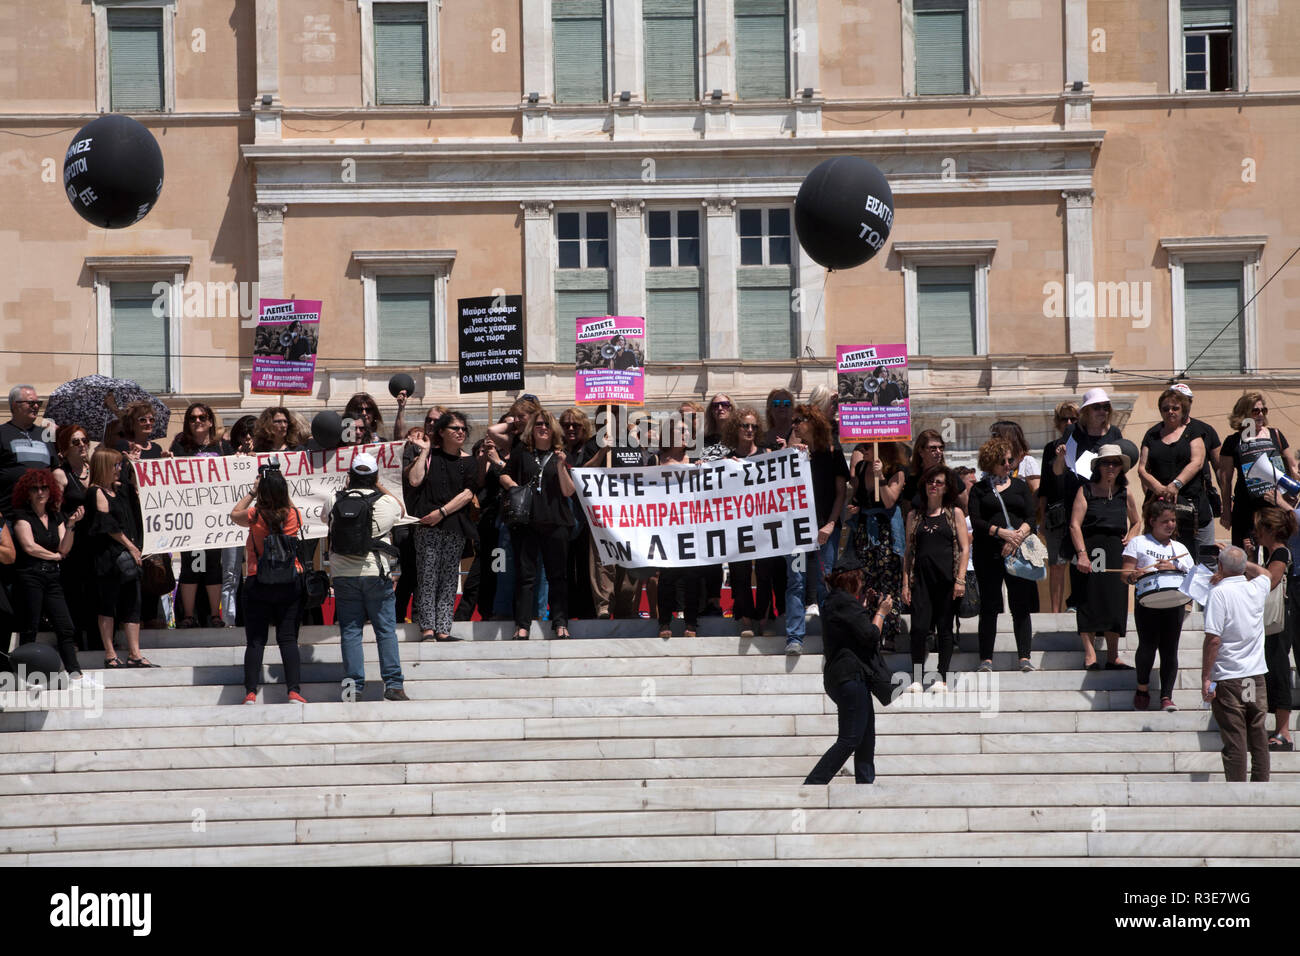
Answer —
362 560
273 590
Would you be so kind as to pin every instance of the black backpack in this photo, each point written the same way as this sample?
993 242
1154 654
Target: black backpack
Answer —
275 565
351 524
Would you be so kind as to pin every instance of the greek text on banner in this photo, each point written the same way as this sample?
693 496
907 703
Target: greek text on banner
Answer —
721 511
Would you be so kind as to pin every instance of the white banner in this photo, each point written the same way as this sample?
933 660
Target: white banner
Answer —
185 503
706 514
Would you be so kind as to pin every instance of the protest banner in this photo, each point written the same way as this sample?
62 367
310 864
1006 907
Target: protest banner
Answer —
727 510
873 391
491 343
185 503
609 364
284 346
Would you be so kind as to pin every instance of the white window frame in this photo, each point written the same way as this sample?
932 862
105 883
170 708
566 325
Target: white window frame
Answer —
675 236
414 262
583 239
953 252
105 270
766 236
972 50
1241 50
1247 250
367 9
103 79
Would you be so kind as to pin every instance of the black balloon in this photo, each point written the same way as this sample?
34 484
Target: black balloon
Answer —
843 212
35 660
401 382
113 171
327 429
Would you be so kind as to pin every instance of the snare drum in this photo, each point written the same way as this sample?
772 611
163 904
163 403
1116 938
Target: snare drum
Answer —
1161 589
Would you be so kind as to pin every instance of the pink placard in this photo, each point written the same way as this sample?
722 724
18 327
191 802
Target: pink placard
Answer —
609 364
284 346
873 390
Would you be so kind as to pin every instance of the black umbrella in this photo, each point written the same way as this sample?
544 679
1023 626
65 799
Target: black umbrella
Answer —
81 402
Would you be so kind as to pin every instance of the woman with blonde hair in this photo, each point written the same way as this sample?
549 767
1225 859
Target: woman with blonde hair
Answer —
200 437
779 416
1252 440
113 537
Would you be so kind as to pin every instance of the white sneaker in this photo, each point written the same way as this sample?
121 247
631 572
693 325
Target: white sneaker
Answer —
85 680
812 610
915 687
939 687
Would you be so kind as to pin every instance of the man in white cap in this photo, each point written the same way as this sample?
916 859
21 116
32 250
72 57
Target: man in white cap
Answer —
362 558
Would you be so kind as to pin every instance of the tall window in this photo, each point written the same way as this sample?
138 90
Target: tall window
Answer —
764 281
401 54
945 302
671 56
674 323
942 47
762 50
582 274
578 31
140 335
1208 60
406 311
135 58
1212 299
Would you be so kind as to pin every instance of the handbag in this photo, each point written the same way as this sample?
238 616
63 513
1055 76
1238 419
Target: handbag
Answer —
970 600
518 510
316 588
1274 605
156 576
127 569
1029 561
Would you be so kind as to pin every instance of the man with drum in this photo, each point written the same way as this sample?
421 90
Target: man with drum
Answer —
1156 562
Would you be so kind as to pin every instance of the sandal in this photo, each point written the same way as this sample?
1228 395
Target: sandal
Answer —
665 633
521 634
1094 666
1118 666
188 622
562 634
444 638
113 663
139 662
430 636
1280 743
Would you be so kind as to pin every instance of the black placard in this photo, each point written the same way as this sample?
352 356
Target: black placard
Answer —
491 343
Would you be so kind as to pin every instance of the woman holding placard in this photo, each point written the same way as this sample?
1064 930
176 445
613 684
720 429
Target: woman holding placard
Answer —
875 500
1156 563
740 433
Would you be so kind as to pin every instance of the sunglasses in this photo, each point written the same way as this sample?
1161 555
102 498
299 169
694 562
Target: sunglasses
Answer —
80 441
542 425
1109 464
1259 411
1169 409
567 425
798 421
1068 419
194 418
456 428
33 402
933 448
1009 461
41 490
721 405
936 481
781 403
747 426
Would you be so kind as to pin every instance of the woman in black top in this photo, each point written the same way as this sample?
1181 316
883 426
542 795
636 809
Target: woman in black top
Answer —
114 544
44 539
1104 519
850 639
1274 527
75 571
878 529
1253 440
927 452
437 489
199 437
934 569
997 536
1172 462
538 458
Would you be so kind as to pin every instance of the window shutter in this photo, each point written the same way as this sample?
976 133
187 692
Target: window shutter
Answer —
945 305
140 346
406 317
670 55
401 54
940 51
765 323
672 322
135 59
762 57
1211 297
578 30
569 306
1203 14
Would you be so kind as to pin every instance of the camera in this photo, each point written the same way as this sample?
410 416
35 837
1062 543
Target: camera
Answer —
270 467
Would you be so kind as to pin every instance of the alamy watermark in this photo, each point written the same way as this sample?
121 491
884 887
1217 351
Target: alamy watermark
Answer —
26 690
207 300
1102 300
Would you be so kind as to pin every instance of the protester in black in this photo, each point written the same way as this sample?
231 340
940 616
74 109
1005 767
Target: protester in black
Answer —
76 571
1252 440
1054 509
115 545
200 437
934 569
1172 464
1274 527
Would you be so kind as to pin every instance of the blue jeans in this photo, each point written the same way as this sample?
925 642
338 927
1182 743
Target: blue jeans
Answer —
356 599
795 624
857 736
826 561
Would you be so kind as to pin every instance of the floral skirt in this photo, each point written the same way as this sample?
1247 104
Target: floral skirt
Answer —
884 572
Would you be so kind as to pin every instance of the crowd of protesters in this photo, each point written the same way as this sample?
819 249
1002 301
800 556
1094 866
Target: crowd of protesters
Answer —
927 539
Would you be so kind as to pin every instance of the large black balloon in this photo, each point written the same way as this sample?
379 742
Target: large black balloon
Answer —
844 212
327 429
113 171
401 382
36 660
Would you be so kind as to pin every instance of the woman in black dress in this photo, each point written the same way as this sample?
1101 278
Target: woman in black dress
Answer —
1104 519
1274 527
1172 462
200 436
879 532
75 571
1001 508
934 569
115 545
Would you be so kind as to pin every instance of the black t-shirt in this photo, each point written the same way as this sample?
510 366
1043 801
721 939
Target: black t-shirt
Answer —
865 497
21 450
826 467
986 511
445 477
1083 443
47 538
1280 553
213 449
1244 454
152 450
1204 430
1051 486
1166 461
551 508
632 458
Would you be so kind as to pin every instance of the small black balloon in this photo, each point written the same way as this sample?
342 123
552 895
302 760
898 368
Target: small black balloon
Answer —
327 429
843 212
113 171
36 659
401 382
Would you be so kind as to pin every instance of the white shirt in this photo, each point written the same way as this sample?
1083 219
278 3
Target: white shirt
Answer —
1147 550
1235 612
387 511
1029 468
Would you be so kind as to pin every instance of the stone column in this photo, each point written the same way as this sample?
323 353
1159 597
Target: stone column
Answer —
270 249
720 246
719 26
539 304
1078 266
629 258
625 31
266 115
